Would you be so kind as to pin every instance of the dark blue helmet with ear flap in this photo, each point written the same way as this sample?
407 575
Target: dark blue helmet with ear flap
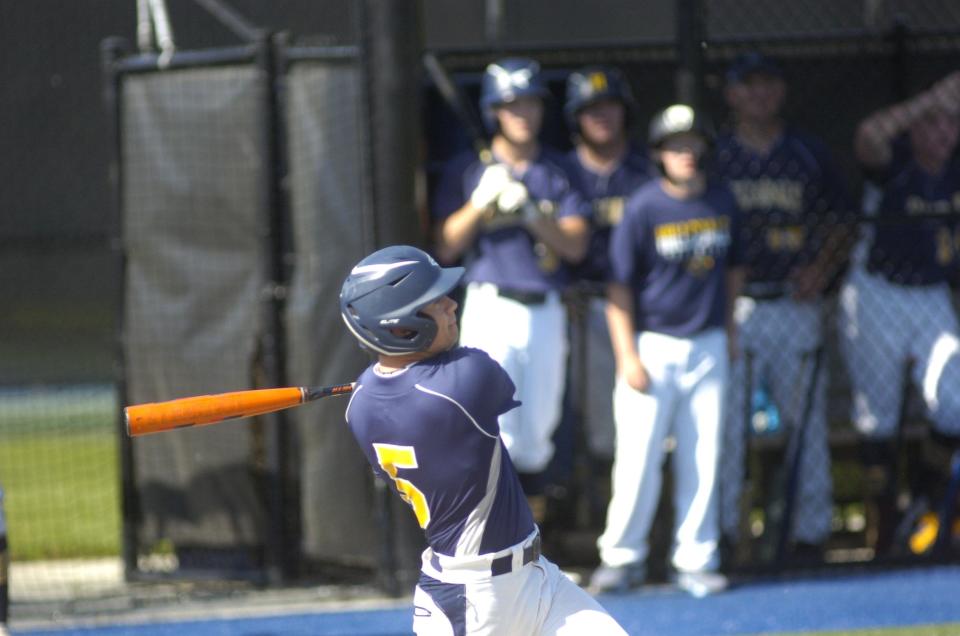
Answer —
590 85
507 79
382 297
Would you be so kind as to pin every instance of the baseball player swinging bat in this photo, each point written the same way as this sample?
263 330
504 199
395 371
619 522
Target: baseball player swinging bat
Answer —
201 410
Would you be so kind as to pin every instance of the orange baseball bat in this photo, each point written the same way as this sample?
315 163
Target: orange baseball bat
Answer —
156 417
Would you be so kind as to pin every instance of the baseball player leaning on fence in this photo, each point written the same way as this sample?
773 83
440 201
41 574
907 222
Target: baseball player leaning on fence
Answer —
897 315
516 223
792 200
426 417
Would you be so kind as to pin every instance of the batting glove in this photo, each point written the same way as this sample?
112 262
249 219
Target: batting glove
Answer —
494 179
513 197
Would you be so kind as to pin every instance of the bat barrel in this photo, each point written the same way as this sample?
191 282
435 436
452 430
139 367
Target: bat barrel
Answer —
155 417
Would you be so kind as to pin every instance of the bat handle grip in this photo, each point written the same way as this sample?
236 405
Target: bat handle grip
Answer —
320 392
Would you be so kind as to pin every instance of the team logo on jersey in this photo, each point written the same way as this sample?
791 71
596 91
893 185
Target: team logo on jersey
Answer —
608 211
696 243
507 80
768 194
934 207
786 239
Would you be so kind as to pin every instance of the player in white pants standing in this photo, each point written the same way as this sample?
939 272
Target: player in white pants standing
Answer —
896 309
674 264
516 224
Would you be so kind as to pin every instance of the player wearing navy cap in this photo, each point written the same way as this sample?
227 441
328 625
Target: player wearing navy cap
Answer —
896 304
673 263
425 415
792 200
607 168
517 224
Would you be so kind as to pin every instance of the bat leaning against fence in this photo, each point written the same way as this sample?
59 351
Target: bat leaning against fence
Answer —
202 410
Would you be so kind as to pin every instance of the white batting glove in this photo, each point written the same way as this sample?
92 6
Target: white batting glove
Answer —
492 182
513 197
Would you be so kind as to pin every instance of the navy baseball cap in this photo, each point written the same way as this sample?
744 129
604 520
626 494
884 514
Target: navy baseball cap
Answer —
752 62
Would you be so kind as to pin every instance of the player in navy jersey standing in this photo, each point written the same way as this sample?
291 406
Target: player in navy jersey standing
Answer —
673 264
607 169
792 200
425 415
896 309
517 224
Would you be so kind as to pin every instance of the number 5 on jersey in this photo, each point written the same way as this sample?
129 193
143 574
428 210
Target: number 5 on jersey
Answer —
390 458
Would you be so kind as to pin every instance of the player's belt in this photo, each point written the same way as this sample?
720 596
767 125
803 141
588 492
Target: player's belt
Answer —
765 291
504 564
523 297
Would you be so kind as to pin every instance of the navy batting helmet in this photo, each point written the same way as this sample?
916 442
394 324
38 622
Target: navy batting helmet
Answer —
590 85
675 120
382 297
506 80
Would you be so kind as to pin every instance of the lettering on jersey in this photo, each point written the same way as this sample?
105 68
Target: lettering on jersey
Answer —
392 457
698 242
947 242
785 239
767 194
917 205
608 211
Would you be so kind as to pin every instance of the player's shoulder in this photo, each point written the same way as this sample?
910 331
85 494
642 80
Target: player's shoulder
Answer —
556 161
470 360
807 145
647 193
637 159
719 191
461 162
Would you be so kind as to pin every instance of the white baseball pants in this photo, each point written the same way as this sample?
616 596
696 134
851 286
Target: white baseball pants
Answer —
882 327
685 399
780 338
530 343
535 599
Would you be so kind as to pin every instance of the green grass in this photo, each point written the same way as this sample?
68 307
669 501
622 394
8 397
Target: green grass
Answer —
58 467
951 629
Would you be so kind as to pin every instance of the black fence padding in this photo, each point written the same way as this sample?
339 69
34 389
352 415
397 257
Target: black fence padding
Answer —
329 204
193 222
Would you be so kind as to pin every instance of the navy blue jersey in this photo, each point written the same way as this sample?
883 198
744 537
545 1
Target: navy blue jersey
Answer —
789 198
505 256
915 251
607 194
674 256
432 429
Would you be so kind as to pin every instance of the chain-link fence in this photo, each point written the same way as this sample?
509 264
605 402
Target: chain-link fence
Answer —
847 325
